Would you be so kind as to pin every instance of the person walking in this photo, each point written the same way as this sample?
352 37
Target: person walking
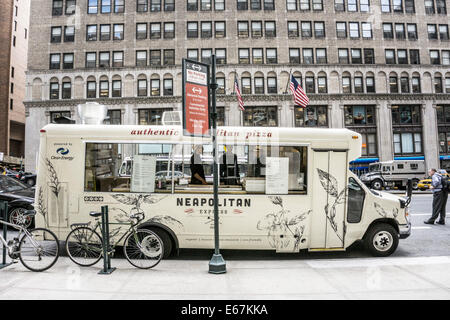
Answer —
438 198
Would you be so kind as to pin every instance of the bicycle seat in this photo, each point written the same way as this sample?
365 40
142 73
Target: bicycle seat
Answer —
29 213
95 214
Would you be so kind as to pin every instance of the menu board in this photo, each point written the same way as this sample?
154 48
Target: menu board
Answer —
143 176
277 175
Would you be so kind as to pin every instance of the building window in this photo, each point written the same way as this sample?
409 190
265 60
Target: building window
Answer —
390 56
306 29
366 28
192 5
346 84
246 85
142 88
242 4
91 33
243 29
259 85
407 143
255 4
257 29
151 116
169 5
446 57
92 6
432 32
155 57
104 59
370 84
141 58
55 35
57 7
169 30
105 32
402 56
385 6
321 56
68 61
343 56
352 6
155 5
308 57
155 30
116 88
192 30
434 57
141 31
292 29
169 57
119 6
70 7
443 31
105 6
309 85
221 56
409 6
205 5
155 87
312 116
388 31
404 84
291 5
58 114
91 59
168 87
69 33
353 30
360 116
415 82
117 59
115 116
244 56
66 90
55 61
206 29
358 84
219 29
271 56
412 31
142 6
206 56
219 5
429 7
322 84
221 85
54 90
356 56
305 5
118 32
269 4
272 87
104 89
294 55
91 87
438 85
260 117
441 7
319 29
341 30
192 54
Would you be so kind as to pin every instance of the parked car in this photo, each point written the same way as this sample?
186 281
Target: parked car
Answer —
28 178
20 197
168 175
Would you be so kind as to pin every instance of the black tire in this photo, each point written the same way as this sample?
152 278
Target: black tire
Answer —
381 240
42 257
84 253
143 249
377 184
166 239
30 182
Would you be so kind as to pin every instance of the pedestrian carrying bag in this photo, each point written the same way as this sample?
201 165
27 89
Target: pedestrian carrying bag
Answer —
445 183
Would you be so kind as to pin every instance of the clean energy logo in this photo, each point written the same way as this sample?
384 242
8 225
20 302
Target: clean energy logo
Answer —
62 154
62 151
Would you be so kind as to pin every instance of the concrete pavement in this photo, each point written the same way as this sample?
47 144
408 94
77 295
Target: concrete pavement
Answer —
360 278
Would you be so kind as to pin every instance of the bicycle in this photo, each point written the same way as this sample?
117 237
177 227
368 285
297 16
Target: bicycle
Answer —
37 249
142 248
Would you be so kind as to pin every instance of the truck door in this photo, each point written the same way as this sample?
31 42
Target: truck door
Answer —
329 194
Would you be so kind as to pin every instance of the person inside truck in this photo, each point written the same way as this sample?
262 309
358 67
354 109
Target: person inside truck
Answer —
197 171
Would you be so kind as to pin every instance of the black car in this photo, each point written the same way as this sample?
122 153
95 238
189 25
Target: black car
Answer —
28 178
20 197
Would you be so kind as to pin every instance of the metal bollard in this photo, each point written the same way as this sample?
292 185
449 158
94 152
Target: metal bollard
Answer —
105 243
4 217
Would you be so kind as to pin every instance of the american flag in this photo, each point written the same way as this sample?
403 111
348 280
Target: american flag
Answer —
238 94
300 98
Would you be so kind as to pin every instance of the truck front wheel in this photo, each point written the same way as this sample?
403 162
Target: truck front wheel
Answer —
377 184
381 240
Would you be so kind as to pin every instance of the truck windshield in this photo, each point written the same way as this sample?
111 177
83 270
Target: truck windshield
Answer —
374 167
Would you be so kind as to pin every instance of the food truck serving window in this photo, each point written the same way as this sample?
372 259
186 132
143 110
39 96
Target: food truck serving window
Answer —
188 168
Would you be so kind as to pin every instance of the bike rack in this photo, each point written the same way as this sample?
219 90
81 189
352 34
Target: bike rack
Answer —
4 217
106 246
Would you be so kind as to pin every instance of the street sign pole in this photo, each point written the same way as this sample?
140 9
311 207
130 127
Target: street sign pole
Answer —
217 264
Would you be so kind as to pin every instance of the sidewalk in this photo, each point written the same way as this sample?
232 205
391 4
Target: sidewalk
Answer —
360 278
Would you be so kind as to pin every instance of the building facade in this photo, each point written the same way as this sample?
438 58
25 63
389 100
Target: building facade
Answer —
14 21
379 67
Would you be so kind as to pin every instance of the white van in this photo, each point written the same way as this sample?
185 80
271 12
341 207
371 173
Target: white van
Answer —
295 189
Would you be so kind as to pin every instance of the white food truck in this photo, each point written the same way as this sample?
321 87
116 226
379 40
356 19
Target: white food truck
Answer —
294 191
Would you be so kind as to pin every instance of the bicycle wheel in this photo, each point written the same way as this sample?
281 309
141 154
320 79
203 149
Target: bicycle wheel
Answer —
84 246
143 249
39 250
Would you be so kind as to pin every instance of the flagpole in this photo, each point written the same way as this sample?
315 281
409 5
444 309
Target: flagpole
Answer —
289 79
235 78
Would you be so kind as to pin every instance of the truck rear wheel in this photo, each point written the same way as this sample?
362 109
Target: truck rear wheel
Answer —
377 184
381 240
415 183
165 238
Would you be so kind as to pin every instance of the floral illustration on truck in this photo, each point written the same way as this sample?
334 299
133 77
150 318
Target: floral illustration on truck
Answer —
330 185
383 213
136 201
281 223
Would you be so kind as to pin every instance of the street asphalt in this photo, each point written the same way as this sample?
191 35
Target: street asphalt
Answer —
419 269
